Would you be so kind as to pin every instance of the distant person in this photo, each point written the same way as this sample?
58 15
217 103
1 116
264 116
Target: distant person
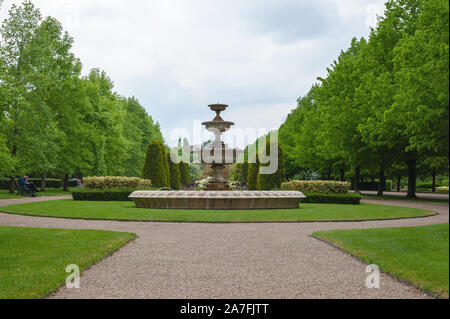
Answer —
26 184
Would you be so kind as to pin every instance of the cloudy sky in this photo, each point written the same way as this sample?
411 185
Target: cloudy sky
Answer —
178 56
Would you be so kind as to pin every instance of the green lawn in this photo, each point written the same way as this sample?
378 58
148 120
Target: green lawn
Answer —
416 254
127 211
4 194
393 197
33 261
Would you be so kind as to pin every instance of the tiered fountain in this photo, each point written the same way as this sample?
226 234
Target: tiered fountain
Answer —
218 194
215 153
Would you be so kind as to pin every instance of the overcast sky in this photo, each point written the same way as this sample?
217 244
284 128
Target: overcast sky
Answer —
177 56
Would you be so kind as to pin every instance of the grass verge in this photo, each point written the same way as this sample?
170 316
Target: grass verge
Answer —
33 261
419 255
126 211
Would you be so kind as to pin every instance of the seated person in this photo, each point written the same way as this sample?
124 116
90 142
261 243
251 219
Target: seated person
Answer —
24 183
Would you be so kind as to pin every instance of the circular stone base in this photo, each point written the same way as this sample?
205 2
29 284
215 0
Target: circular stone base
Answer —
220 200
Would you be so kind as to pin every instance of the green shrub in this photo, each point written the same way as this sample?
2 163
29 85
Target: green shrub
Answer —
165 165
184 173
154 168
175 176
105 195
243 172
267 182
325 187
252 179
321 198
444 183
108 182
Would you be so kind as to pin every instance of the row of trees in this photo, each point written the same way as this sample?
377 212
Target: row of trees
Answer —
55 122
383 108
161 170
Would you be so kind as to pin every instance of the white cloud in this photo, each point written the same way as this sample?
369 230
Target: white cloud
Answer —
179 56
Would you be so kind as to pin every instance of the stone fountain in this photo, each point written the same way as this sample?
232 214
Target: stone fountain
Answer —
216 152
217 195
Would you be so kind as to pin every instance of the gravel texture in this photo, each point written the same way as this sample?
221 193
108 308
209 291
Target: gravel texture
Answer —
182 260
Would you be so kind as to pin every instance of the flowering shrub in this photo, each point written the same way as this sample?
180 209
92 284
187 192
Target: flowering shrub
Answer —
325 187
238 185
201 184
109 182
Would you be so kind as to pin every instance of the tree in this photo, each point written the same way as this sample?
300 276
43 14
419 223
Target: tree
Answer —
17 33
154 168
421 61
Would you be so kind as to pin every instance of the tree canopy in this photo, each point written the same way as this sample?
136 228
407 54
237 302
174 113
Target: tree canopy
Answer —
55 121
384 103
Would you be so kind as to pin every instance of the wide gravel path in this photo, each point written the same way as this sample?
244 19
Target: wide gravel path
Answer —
189 260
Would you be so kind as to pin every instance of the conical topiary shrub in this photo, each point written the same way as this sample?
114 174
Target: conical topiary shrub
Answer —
154 165
165 165
266 182
252 178
184 173
175 176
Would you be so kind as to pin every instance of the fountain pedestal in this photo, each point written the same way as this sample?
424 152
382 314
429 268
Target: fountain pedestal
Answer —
217 150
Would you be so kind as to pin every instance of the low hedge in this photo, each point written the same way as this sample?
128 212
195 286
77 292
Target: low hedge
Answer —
321 198
105 195
326 187
49 183
113 182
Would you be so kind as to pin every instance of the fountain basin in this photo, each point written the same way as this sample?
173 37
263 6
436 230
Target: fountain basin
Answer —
217 200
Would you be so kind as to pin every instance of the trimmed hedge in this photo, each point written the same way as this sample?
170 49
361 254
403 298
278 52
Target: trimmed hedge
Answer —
106 195
320 198
326 187
112 182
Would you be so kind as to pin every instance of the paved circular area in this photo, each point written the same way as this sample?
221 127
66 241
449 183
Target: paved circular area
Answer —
181 260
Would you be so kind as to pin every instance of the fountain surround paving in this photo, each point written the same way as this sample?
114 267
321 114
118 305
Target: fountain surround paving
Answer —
218 195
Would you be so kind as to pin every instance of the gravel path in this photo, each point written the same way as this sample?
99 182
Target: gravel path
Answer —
173 260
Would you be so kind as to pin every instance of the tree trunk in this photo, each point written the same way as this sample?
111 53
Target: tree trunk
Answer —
12 182
381 181
399 180
342 171
329 175
411 179
65 183
12 185
433 187
357 177
43 182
